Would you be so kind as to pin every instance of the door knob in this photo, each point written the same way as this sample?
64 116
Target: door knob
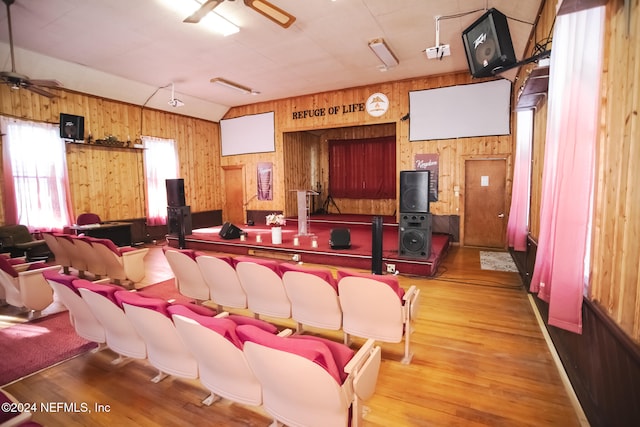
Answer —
501 215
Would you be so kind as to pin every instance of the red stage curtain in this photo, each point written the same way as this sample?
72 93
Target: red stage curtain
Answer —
363 168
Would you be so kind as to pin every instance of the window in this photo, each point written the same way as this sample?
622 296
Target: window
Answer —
35 175
363 168
160 164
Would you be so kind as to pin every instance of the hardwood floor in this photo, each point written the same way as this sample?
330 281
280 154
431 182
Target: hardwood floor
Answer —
480 359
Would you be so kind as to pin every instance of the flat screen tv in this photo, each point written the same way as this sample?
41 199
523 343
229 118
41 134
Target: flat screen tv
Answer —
71 127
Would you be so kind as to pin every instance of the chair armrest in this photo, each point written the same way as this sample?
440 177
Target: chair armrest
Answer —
285 333
359 358
39 270
222 315
135 252
24 266
410 303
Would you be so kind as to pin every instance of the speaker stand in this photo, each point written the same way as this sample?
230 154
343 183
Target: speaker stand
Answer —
329 201
181 240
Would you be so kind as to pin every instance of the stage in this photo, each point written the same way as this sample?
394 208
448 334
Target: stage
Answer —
319 229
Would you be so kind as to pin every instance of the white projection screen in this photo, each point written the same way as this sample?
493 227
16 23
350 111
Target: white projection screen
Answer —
478 109
248 134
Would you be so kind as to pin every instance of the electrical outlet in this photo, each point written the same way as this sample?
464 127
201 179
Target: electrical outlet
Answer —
391 268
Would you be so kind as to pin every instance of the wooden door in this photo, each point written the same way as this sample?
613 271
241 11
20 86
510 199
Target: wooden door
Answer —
485 221
233 209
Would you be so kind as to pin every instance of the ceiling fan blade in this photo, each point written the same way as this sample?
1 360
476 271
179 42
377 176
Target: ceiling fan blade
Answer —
39 91
273 12
44 83
206 7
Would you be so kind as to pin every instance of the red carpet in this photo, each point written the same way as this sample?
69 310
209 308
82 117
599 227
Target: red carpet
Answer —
32 346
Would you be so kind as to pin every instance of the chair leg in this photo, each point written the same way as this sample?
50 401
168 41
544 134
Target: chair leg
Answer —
161 375
210 399
101 346
299 328
407 341
347 339
120 359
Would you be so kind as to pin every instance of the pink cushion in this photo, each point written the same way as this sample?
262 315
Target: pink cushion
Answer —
271 264
16 261
389 280
7 267
138 300
63 279
340 352
323 273
314 350
222 326
106 290
244 320
109 244
37 265
199 309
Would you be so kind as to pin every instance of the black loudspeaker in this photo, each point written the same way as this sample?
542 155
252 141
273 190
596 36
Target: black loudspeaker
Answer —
71 127
340 238
177 216
414 191
376 245
230 231
175 192
487 43
414 235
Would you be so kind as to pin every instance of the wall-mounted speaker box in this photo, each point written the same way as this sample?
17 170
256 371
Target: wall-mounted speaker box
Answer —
71 127
177 216
230 231
175 192
414 236
340 238
487 44
414 191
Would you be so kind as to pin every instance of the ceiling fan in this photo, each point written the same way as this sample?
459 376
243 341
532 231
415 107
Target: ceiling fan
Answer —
16 80
263 7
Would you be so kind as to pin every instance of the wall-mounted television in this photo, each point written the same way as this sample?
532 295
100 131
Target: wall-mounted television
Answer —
71 127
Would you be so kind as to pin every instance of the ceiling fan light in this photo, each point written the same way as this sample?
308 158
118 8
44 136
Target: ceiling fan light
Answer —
232 85
272 12
384 54
219 24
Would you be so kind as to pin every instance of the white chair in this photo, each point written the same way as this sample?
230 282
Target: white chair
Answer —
120 334
125 264
166 351
76 258
94 262
60 254
298 378
313 293
82 318
189 280
263 285
224 285
377 307
27 288
224 371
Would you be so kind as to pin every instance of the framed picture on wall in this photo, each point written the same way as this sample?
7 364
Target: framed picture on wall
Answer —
265 181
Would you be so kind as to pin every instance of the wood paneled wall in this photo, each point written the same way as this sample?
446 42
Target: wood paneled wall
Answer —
110 181
615 257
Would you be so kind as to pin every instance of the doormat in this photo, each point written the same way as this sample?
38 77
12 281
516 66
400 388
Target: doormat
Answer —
497 261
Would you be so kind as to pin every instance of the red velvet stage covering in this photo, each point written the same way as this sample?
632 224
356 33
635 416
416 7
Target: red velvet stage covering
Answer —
320 226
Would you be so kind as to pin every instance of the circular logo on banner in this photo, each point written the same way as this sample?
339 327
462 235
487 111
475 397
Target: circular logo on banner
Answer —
377 104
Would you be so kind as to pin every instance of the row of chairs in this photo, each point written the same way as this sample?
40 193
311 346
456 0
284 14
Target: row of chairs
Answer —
99 257
299 380
359 304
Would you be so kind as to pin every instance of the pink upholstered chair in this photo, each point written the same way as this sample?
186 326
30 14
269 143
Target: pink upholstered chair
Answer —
224 285
223 368
313 293
74 252
60 254
88 218
82 318
166 351
263 285
377 307
26 288
124 264
120 334
189 280
311 381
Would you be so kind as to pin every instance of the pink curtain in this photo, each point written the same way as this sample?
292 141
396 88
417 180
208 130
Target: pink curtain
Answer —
160 164
517 227
572 129
36 184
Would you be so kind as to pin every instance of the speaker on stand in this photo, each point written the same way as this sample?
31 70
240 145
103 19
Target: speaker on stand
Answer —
414 191
179 223
376 245
414 235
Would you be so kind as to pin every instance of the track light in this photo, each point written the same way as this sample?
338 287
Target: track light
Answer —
235 86
382 51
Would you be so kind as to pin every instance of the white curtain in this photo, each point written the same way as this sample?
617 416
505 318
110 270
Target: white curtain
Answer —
36 183
517 227
568 174
160 164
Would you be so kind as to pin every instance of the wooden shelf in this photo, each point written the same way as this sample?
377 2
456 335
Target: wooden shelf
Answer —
534 89
99 143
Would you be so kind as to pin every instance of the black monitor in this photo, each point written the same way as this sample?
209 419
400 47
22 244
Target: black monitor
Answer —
71 127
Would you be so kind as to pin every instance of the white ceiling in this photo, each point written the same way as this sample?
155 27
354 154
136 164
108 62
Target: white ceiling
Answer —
126 49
